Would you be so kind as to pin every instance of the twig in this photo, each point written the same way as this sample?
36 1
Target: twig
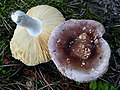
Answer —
46 86
10 84
9 65
22 1
19 87
5 26
7 88
52 84
18 83
18 5
115 69
5 21
104 80
112 26
111 79
112 76
4 1
2 88
3 50
114 59
78 86
117 81
2 46
118 86
44 79
16 71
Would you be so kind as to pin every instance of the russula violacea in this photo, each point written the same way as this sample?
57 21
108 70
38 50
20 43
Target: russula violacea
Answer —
78 49
30 40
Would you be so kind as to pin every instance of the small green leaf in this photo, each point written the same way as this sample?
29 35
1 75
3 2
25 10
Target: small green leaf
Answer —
99 87
112 88
93 85
78 83
105 86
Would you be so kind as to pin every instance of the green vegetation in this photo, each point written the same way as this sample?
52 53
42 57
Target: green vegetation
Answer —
16 76
100 86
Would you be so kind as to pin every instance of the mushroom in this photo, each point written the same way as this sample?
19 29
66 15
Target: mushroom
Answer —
30 40
78 49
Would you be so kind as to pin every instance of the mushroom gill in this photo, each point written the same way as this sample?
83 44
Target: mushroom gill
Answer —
29 43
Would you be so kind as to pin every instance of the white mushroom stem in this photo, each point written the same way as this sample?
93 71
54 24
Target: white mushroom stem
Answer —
33 26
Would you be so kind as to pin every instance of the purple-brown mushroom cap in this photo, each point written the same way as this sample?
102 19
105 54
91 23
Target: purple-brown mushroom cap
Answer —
78 49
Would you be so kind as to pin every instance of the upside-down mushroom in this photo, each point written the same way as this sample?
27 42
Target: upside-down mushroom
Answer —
78 49
30 40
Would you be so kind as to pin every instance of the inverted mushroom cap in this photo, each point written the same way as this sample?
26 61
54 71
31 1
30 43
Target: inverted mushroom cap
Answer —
32 50
78 49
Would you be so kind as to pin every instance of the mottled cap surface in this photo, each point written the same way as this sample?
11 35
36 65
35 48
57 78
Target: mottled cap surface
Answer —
78 49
